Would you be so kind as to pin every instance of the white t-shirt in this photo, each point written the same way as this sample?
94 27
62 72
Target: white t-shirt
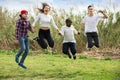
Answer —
45 20
68 33
91 23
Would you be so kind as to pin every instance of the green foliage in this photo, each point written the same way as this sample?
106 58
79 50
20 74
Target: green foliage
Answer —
108 33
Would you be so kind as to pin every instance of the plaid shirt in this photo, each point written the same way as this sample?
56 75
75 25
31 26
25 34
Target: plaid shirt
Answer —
22 26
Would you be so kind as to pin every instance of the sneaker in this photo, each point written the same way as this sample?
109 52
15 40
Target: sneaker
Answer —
74 57
95 49
16 59
86 45
21 65
88 49
50 50
36 38
69 56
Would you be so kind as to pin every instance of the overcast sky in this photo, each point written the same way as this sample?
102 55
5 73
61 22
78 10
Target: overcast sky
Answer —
80 5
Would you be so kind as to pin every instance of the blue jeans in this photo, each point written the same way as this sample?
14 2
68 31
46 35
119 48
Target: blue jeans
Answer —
24 48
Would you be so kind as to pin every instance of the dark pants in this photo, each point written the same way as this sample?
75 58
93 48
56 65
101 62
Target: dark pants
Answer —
92 36
67 46
45 35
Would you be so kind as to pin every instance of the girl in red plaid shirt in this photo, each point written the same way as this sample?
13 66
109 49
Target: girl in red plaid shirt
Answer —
22 27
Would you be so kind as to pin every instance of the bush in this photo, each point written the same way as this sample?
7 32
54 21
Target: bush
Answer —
109 33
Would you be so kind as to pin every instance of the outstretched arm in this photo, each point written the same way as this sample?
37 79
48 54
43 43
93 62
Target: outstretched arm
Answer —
54 25
75 31
104 15
31 28
36 19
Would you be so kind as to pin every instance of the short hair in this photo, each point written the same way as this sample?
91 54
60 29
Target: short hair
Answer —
68 20
90 6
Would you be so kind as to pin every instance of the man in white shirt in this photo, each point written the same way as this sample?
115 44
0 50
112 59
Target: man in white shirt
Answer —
90 22
69 41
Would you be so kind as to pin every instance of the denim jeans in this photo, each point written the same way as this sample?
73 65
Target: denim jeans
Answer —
24 48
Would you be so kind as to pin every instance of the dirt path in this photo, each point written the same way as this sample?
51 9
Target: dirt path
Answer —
105 53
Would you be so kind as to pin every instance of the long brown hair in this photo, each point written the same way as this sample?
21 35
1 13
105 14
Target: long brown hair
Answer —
43 6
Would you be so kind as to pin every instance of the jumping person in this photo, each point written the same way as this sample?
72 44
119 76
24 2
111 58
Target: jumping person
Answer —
22 27
90 22
69 41
44 31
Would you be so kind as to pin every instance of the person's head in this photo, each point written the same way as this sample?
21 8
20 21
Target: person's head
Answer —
45 8
90 10
68 22
24 14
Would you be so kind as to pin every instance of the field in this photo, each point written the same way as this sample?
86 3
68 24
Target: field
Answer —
101 65
59 67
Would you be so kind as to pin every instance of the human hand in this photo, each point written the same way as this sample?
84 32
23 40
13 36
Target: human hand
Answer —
78 32
59 33
100 11
32 30
16 41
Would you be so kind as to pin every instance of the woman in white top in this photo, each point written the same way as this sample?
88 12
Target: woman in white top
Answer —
69 41
90 22
44 31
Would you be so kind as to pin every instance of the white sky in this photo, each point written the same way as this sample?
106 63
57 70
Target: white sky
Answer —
79 5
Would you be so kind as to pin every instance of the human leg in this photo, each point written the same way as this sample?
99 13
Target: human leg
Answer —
73 49
22 48
65 49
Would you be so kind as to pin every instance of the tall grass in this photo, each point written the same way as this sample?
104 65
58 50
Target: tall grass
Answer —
109 33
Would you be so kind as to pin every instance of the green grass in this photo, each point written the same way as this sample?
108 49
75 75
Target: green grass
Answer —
59 67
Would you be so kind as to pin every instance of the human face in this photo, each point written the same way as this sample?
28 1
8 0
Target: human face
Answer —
68 24
24 16
91 10
46 9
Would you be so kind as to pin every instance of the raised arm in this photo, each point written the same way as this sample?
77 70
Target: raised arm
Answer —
104 15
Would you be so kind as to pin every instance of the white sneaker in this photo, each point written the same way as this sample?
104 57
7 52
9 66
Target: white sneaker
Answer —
95 49
89 49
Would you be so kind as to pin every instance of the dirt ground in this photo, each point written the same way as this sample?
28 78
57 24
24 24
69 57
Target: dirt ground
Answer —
112 53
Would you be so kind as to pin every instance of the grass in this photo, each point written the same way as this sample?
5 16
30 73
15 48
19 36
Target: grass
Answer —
108 32
59 67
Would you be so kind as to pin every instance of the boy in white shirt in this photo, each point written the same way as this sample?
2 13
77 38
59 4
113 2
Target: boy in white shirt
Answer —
90 22
69 41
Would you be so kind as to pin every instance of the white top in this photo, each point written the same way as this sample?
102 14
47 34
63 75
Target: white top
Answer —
68 33
45 20
91 23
